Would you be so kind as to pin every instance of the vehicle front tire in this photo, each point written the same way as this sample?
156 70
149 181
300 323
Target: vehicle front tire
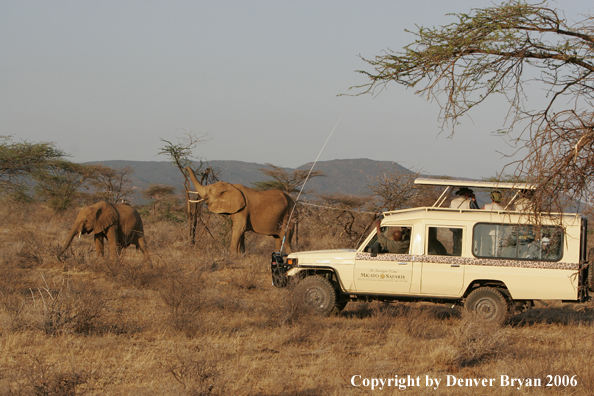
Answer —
317 295
488 304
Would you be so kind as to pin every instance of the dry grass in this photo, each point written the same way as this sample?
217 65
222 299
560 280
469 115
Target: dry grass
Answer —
200 323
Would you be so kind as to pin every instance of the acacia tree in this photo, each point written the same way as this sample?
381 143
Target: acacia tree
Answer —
180 154
18 160
58 180
162 197
496 51
349 212
111 184
395 189
280 179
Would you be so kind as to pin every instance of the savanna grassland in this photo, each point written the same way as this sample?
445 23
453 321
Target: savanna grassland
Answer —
198 322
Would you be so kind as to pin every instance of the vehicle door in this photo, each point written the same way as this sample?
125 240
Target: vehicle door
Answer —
442 273
385 267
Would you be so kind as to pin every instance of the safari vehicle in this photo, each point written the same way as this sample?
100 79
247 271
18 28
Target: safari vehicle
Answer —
494 263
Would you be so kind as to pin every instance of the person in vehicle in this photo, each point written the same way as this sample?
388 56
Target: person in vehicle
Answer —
396 243
495 202
434 246
465 200
524 203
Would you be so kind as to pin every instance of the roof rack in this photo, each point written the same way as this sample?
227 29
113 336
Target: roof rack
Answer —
449 183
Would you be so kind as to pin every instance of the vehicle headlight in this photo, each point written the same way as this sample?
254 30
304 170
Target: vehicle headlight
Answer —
291 261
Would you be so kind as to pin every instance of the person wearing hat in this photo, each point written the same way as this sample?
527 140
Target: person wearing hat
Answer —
495 202
465 200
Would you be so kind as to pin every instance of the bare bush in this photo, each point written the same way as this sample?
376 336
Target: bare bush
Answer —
181 292
66 307
476 340
195 369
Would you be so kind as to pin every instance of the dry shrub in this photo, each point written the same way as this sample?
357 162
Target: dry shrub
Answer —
66 307
164 234
130 272
47 379
421 324
477 341
253 272
287 311
195 368
445 355
383 316
12 301
426 322
76 258
182 293
307 331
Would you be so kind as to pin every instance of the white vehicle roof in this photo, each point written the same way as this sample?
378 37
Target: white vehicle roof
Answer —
473 183
473 215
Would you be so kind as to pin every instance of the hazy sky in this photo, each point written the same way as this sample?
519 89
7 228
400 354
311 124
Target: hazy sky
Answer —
106 80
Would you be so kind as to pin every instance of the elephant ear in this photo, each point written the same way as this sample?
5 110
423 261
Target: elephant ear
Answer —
228 199
105 217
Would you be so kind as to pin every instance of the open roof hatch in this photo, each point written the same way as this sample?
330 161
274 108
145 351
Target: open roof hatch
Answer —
449 183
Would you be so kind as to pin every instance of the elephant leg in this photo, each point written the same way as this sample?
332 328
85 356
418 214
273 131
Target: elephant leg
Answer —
278 241
142 246
99 245
242 243
113 243
238 239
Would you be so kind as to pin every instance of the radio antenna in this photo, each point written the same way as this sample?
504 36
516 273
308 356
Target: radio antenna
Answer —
306 179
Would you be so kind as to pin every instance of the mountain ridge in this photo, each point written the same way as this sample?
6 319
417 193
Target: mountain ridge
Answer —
343 176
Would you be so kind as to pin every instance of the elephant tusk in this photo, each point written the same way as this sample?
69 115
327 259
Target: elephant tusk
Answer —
79 234
195 201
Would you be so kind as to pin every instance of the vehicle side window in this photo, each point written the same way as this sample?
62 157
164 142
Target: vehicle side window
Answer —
394 240
442 241
517 242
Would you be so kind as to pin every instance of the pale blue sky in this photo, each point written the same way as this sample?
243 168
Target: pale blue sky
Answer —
105 80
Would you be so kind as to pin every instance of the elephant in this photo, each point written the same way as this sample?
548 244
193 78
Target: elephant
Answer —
263 212
119 223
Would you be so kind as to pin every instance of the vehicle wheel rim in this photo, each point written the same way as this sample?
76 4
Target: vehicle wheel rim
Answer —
486 308
315 297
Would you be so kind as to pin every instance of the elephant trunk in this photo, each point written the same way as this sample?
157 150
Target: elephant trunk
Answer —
199 187
76 229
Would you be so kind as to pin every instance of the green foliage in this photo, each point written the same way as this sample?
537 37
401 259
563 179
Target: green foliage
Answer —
163 202
18 160
158 191
57 182
289 182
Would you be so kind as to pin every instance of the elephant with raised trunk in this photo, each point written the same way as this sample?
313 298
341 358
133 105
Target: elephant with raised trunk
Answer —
263 212
119 223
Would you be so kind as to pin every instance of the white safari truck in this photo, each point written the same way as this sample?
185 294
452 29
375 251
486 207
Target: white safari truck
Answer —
492 262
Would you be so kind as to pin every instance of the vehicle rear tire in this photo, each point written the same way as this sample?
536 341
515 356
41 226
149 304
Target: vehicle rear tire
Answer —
317 295
488 304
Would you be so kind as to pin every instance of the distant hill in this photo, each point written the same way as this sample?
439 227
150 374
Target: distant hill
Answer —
347 176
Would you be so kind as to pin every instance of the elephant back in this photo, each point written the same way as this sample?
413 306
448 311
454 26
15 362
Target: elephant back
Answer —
131 227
